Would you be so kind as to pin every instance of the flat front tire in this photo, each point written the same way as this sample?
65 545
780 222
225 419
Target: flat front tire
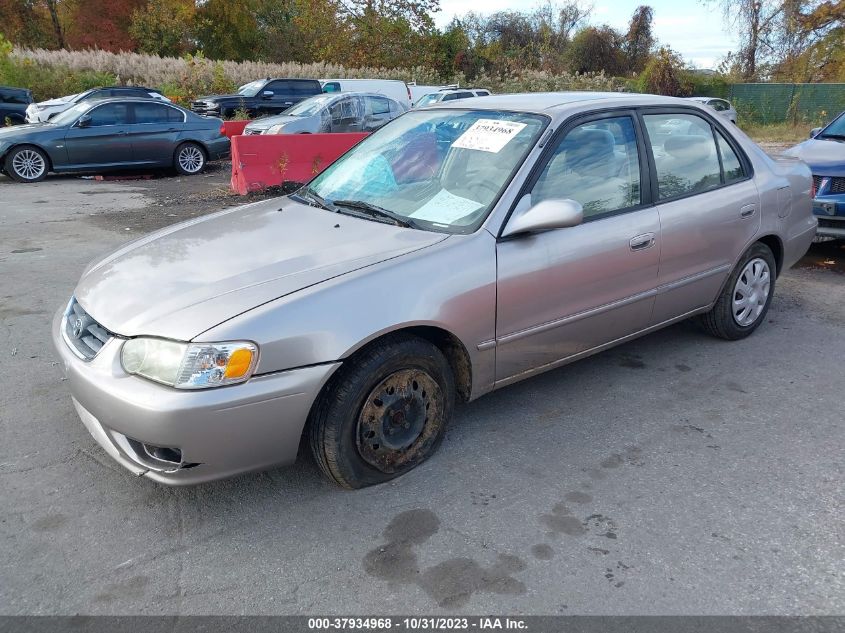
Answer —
189 159
746 297
26 164
383 413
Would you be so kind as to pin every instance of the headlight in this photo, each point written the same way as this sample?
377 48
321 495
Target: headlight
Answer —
276 129
189 365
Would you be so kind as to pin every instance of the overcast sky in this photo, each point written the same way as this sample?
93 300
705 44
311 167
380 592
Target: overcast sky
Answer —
696 31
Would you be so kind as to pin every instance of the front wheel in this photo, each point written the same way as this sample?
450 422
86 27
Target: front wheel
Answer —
26 164
189 159
745 299
383 413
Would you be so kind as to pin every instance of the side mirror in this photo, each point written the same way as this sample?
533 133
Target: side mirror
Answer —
267 94
546 214
814 132
84 121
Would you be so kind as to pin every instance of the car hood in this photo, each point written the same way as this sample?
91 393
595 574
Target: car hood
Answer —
265 123
185 279
15 131
54 102
222 98
825 157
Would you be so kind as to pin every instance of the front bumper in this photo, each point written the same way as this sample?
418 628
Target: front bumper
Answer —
830 212
217 432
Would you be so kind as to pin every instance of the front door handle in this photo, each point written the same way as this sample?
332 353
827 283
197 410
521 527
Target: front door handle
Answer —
642 242
747 211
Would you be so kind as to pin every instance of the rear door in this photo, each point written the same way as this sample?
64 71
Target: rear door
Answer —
105 140
708 204
155 132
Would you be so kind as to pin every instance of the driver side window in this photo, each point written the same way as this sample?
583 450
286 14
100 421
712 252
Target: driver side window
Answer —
596 164
109 114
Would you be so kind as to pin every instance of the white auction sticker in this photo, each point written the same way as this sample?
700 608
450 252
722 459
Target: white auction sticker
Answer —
488 135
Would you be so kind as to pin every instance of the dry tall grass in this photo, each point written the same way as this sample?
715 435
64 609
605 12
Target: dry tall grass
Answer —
186 77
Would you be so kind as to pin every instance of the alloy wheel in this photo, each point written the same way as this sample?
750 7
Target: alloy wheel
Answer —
29 164
191 159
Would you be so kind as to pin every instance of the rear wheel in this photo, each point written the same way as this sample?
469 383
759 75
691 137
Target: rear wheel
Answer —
383 413
26 164
189 159
745 300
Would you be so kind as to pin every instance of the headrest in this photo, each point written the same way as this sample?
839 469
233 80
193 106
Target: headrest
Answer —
688 146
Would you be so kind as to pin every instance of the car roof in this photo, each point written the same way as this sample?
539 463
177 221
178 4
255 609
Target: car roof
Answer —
553 101
132 100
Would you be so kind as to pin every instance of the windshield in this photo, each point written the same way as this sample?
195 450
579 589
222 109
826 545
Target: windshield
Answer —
441 169
835 129
251 89
310 106
71 114
428 99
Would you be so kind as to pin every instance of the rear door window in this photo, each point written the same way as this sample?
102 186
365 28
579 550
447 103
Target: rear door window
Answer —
379 105
685 154
152 113
731 165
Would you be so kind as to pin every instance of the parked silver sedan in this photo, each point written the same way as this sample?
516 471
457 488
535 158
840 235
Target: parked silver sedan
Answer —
337 112
453 252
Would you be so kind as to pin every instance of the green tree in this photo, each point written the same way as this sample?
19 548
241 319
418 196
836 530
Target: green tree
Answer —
597 49
164 27
665 74
639 39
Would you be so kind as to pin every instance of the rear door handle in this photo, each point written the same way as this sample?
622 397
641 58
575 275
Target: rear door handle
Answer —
747 211
642 242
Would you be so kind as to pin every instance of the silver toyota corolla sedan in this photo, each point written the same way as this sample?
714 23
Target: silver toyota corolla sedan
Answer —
455 251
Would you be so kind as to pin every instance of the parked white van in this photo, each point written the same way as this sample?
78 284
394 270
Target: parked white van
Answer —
392 88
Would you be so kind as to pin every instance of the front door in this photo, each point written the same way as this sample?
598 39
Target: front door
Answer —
564 292
708 206
104 140
346 115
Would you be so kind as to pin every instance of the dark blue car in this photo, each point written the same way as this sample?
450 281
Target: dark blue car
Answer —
824 152
112 134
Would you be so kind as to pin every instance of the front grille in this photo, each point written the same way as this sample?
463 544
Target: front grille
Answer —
82 333
836 184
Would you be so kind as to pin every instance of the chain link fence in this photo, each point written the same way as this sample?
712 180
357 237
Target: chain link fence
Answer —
787 103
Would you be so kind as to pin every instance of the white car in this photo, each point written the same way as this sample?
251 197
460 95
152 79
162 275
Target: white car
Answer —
450 94
722 106
43 111
393 88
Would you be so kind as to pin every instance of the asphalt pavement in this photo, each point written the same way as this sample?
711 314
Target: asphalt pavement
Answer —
677 474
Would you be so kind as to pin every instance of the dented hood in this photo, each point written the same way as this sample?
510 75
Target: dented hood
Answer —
185 279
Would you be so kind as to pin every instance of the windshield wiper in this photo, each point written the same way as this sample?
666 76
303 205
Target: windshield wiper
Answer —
377 212
837 136
314 199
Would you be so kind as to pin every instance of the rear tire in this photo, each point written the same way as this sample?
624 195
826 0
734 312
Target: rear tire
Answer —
27 164
189 159
383 413
746 297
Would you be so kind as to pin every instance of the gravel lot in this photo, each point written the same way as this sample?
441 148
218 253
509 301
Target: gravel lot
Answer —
676 474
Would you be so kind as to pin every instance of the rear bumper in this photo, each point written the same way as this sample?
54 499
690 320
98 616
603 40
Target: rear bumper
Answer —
219 149
217 433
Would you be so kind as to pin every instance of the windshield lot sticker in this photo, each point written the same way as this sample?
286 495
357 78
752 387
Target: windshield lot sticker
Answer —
446 208
488 135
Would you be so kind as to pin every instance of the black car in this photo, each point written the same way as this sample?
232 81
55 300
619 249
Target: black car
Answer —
113 134
13 102
259 98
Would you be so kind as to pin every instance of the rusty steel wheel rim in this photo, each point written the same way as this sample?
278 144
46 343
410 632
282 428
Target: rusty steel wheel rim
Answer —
400 420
